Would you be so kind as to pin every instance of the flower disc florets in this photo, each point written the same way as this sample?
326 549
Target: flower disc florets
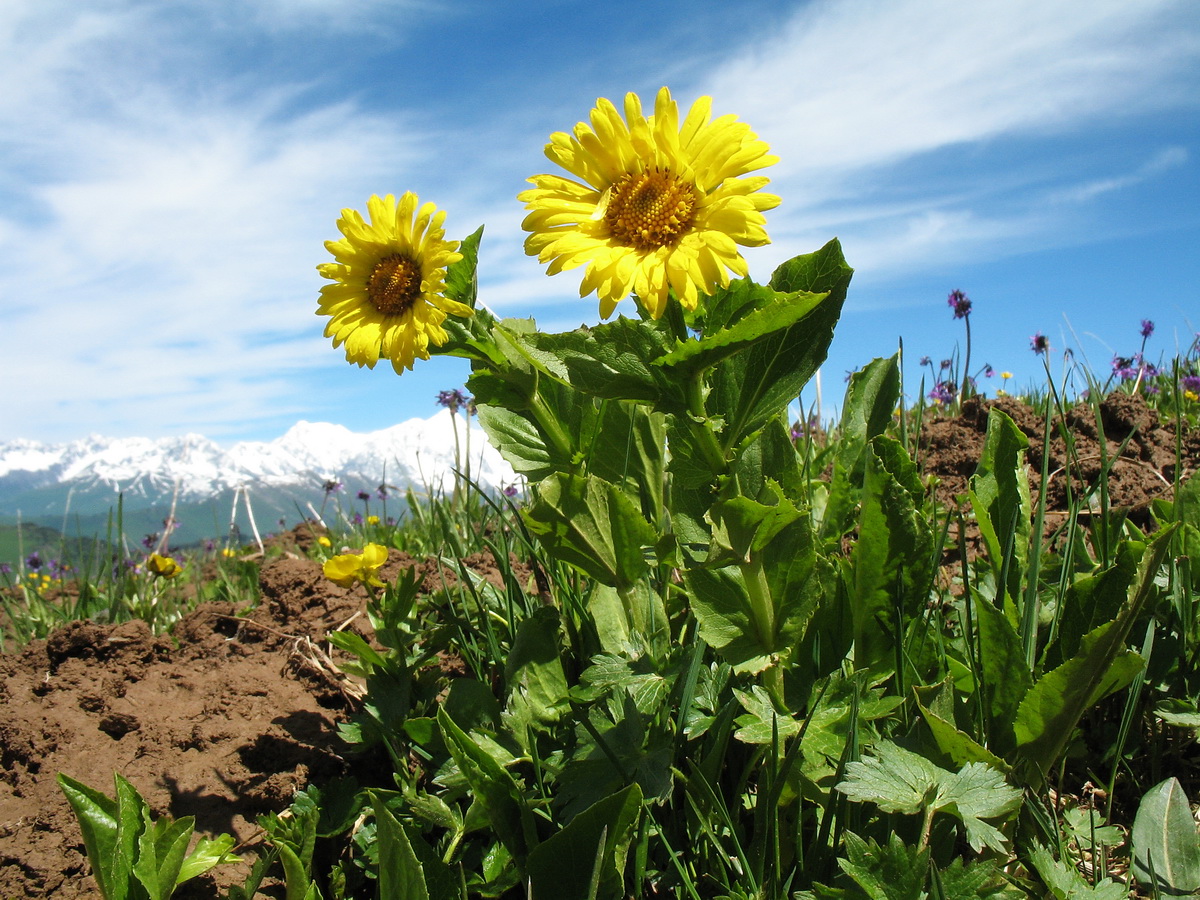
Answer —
388 297
654 205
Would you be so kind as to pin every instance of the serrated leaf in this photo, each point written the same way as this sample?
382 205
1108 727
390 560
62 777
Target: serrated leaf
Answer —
593 525
894 779
892 871
763 723
977 792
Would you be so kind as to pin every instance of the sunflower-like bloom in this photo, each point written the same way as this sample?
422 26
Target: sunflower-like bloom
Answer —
388 293
348 568
656 205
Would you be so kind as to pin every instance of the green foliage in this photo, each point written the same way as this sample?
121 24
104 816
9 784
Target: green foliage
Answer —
724 661
133 855
1166 841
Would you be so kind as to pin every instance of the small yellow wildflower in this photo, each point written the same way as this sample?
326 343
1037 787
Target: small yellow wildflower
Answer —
1191 395
324 541
1006 375
347 568
372 520
163 566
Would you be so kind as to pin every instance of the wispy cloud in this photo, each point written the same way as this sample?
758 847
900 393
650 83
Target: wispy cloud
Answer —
168 174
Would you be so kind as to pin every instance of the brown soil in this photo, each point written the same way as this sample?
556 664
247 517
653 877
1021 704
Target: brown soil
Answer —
222 720
225 718
1140 452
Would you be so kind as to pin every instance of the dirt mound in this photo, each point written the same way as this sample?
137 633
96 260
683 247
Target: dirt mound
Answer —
1140 452
223 720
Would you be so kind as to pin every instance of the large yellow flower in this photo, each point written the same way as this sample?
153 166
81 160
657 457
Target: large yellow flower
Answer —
656 205
388 296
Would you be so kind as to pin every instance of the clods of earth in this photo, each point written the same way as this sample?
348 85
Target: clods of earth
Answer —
226 717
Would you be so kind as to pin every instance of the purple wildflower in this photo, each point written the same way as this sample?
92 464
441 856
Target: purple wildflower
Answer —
959 303
332 487
452 400
1147 328
364 496
988 371
33 561
510 490
943 392
150 541
1039 343
357 519
945 364
1191 383
5 569
924 361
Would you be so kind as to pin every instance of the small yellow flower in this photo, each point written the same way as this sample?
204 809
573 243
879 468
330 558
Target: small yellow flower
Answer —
1006 375
347 568
388 298
324 541
372 520
1191 395
228 552
163 566
654 204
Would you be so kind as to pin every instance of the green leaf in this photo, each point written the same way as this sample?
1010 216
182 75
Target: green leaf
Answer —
587 858
515 437
534 667
977 792
1052 707
593 525
755 385
898 780
1000 498
400 875
959 746
493 788
762 723
1002 673
616 361
97 816
208 852
891 562
867 411
766 314
162 847
461 282
892 871
1065 882
894 779
1166 843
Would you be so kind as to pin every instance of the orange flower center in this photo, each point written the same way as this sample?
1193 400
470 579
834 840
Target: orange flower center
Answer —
650 210
395 284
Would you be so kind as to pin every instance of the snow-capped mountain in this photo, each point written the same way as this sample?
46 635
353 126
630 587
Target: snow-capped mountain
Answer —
419 453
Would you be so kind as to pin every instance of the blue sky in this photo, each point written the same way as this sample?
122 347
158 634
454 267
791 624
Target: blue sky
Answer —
169 172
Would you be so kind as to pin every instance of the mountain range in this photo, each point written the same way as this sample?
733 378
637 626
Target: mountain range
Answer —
76 486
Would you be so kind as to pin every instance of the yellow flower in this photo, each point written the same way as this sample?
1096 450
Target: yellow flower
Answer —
324 541
1006 375
387 299
1191 395
372 520
347 568
654 205
163 566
